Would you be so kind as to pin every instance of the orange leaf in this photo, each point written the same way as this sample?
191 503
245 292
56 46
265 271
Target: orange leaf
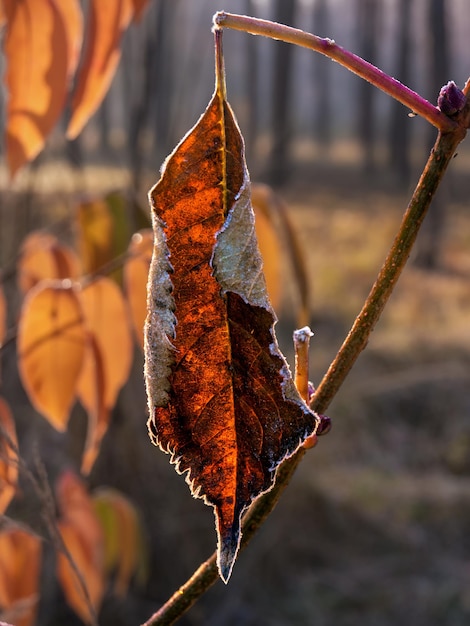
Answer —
108 360
20 557
83 537
91 572
269 245
95 234
136 269
106 318
107 21
91 393
221 397
51 343
8 456
139 8
123 535
72 20
38 53
43 256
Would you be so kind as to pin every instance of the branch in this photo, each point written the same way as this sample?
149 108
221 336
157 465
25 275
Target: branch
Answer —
347 59
206 575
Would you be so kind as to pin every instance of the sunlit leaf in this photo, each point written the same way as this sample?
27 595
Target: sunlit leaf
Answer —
38 52
91 572
72 20
51 345
81 532
108 361
107 21
103 232
91 393
136 269
123 536
106 317
269 246
221 397
273 221
8 456
20 559
42 256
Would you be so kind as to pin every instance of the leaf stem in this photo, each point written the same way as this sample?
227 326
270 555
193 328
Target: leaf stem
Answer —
352 62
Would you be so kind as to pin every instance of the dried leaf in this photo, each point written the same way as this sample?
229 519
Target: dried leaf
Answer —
123 536
221 398
42 256
81 532
108 361
39 40
51 344
8 456
107 21
20 558
136 269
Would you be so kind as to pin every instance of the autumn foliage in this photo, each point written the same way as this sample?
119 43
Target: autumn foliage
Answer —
43 49
221 397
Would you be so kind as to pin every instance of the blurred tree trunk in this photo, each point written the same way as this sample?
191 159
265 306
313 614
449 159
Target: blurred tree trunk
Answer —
430 240
279 161
368 27
399 132
252 79
322 78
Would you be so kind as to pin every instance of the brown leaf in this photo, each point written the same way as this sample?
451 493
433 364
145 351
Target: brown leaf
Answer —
108 360
42 256
221 397
107 21
19 575
51 344
136 269
39 40
8 456
81 532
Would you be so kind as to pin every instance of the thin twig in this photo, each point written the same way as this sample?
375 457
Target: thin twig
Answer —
352 62
444 148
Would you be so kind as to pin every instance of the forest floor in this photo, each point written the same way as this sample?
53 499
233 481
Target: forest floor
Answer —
374 529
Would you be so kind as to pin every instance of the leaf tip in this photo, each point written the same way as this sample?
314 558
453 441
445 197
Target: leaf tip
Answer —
229 544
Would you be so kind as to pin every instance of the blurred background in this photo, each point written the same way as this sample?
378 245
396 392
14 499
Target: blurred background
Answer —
374 526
